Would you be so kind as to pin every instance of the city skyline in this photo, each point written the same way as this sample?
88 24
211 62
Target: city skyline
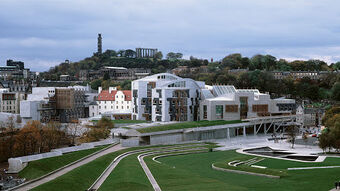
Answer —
45 33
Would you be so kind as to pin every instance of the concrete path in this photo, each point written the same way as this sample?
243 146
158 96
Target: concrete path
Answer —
148 173
314 167
63 171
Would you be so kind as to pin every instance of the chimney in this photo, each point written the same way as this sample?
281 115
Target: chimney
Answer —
99 90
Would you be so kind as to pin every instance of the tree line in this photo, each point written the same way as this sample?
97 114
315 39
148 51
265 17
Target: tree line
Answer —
35 137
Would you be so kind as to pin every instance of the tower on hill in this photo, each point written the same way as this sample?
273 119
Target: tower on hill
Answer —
100 50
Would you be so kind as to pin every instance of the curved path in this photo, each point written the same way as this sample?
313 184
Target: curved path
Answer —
147 171
55 174
101 179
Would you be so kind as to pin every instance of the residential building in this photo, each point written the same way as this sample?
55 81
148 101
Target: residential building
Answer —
314 75
10 101
115 73
166 97
309 117
113 102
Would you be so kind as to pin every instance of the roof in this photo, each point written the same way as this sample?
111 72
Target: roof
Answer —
105 95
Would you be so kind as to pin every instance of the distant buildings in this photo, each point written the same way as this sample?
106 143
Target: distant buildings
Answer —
14 69
112 102
10 101
114 73
314 75
309 116
146 52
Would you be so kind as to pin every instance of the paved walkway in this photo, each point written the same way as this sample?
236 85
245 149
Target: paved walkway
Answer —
148 173
314 167
68 169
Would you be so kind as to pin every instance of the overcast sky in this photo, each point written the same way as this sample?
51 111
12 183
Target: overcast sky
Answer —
43 33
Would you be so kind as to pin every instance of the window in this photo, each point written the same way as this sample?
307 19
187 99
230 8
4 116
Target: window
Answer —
260 108
205 112
231 108
127 107
122 107
219 111
117 107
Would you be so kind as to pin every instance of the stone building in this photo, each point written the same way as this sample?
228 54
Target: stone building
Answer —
112 102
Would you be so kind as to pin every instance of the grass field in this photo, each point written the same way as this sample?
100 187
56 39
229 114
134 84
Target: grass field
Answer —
246 168
125 121
41 167
194 172
128 175
185 125
82 177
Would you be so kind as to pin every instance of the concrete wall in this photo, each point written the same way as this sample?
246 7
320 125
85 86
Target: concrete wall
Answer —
132 142
19 163
166 139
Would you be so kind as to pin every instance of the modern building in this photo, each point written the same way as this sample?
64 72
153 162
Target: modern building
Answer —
222 102
55 104
112 102
166 97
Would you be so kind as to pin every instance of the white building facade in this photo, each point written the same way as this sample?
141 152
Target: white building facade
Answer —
166 97
229 103
116 103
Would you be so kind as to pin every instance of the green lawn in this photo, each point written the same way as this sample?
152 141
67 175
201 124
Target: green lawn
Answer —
41 167
185 125
194 172
128 175
247 168
83 177
125 121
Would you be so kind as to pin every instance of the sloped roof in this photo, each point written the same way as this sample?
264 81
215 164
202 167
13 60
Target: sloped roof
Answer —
105 95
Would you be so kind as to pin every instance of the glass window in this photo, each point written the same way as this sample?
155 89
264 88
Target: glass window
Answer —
219 111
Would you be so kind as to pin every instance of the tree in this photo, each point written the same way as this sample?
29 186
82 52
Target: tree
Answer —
336 91
292 132
106 76
159 55
74 130
174 56
105 122
130 53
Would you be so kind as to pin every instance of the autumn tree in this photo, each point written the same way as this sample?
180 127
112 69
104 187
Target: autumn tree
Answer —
292 132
